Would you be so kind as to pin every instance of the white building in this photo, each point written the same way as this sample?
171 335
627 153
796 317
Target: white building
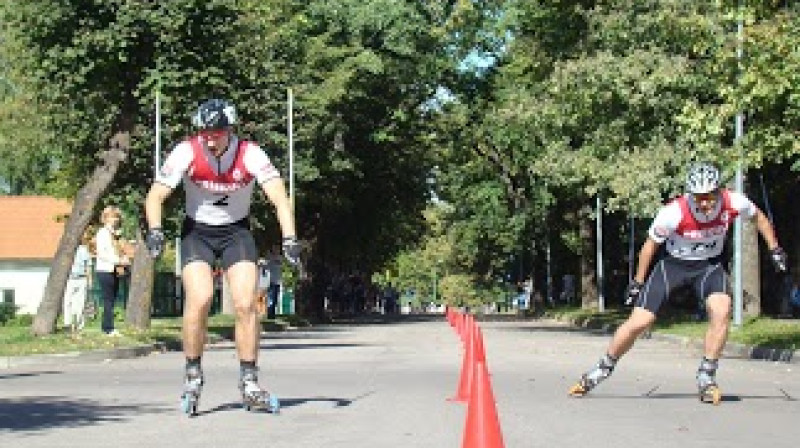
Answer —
30 230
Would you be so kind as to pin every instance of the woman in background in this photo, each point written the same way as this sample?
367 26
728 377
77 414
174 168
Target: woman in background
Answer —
108 258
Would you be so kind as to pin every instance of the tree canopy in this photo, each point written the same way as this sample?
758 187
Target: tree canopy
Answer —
479 131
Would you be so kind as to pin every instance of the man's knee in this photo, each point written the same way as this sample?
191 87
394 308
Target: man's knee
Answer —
245 306
639 321
719 306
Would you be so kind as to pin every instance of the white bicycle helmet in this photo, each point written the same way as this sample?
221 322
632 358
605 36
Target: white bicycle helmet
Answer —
702 178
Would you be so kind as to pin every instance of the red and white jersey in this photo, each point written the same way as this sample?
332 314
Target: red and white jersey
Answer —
692 235
219 190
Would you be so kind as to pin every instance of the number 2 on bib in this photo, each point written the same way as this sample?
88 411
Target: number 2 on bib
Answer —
223 201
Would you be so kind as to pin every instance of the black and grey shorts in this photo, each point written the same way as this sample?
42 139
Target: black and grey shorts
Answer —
705 277
229 243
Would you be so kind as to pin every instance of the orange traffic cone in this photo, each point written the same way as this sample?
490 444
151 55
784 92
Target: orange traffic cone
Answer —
479 352
467 369
469 323
482 429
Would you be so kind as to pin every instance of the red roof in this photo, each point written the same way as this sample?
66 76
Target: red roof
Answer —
31 226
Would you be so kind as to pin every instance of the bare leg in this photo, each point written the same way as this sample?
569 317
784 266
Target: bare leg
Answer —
198 287
242 281
623 339
627 333
719 315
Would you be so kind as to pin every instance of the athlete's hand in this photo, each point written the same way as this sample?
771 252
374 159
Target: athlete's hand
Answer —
155 241
291 250
779 260
634 289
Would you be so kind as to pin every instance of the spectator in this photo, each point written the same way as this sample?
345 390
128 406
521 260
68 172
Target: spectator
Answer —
77 284
108 258
263 286
794 298
568 289
275 267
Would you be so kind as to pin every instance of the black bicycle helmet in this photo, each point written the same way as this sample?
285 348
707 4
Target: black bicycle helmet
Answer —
214 114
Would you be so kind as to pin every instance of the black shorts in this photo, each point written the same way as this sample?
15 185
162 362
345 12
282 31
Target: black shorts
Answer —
705 277
229 243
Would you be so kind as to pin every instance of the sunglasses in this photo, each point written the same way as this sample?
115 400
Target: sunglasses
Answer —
705 197
213 134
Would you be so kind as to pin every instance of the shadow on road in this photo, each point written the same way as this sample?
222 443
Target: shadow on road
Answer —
300 346
308 346
328 402
728 398
41 413
545 328
7 376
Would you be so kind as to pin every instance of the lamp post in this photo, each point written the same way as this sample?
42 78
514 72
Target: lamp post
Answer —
435 278
434 281
738 289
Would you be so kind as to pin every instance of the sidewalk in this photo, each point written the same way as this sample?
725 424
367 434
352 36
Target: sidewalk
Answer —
732 349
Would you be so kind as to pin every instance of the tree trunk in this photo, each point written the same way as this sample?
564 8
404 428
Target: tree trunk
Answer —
751 278
589 292
79 219
140 294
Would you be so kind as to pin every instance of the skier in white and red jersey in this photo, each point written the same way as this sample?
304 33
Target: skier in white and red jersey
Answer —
219 171
693 228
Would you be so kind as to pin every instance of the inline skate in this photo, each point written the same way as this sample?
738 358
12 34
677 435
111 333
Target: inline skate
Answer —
592 378
192 387
707 387
253 396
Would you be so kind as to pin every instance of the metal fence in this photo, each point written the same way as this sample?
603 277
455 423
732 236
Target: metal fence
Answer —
167 298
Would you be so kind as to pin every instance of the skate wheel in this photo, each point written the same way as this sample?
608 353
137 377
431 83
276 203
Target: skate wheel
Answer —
712 395
577 391
274 404
189 406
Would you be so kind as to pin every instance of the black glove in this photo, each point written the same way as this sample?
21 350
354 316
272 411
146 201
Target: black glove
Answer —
634 289
778 257
155 241
291 250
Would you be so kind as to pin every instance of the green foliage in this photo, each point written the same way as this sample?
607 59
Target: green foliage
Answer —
7 312
361 72
610 98
459 289
513 113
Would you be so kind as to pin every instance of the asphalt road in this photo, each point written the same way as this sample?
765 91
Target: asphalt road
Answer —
386 385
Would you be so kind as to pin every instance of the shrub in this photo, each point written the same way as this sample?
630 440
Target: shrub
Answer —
7 312
21 320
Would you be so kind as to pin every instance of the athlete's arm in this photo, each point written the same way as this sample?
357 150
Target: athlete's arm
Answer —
663 226
154 204
276 193
259 164
766 230
168 177
646 256
748 209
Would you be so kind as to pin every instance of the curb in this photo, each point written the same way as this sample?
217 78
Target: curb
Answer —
8 362
54 359
731 350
